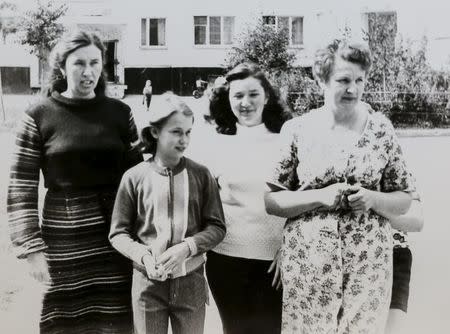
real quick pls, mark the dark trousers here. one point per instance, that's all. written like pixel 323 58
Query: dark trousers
pixel 402 260
pixel 243 292
pixel 148 99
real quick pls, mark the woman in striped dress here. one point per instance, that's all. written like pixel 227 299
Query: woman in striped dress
pixel 81 140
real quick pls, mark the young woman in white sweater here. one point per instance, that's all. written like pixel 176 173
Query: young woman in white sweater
pixel 242 270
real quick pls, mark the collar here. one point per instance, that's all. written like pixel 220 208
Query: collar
pixel 164 170
pixel 75 101
pixel 253 131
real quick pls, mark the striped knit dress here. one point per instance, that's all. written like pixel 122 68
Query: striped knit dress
pixel 82 148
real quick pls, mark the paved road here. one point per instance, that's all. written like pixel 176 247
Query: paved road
pixel 429 310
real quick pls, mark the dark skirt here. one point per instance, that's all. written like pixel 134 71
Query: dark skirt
pixel 90 283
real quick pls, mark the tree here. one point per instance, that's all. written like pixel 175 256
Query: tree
pixel 397 65
pixel 7 23
pixel 41 30
pixel 381 34
pixel 263 45
pixel 269 48
pixel 401 82
pixel 7 26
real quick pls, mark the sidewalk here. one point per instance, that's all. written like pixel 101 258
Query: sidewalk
pixel 423 132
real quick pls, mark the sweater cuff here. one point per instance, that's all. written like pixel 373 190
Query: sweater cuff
pixel 192 246
pixel 32 246
pixel 133 250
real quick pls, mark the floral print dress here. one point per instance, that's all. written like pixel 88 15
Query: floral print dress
pixel 337 265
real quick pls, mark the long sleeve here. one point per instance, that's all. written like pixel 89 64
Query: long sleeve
pixel 22 207
pixel 213 221
pixel 133 153
pixel 123 221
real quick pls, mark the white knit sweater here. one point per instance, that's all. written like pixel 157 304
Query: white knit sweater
pixel 242 163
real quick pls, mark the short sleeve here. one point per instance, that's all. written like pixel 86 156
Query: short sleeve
pixel 396 175
pixel 284 172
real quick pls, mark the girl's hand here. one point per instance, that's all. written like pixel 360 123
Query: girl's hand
pixel 330 197
pixel 153 271
pixel 173 257
pixel 38 267
pixel 275 265
pixel 360 199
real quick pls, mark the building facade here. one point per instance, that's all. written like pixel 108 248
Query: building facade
pixel 173 42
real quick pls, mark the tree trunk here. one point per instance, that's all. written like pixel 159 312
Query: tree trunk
pixel 44 68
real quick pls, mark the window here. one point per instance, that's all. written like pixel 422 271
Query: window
pixel 213 30
pixel 293 25
pixel 153 32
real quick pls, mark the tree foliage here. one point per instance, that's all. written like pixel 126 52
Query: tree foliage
pixel 268 47
pixel 264 45
pixel 7 24
pixel 398 65
pixel 401 82
pixel 380 35
pixel 41 28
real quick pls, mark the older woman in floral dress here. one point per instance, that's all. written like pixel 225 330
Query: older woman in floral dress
pixel 340 176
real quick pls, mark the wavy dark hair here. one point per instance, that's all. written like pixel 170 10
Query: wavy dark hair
pixel 274 113
pixel 356 53
pixel 58 56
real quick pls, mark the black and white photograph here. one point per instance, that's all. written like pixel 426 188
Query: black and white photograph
pixel 224 167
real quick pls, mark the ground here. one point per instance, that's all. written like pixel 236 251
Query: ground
pixel 429 306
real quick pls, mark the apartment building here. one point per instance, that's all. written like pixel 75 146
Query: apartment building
pixel 172 42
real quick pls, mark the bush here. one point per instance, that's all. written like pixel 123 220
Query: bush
pixel 263 45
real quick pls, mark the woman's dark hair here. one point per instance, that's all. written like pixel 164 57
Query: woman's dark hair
pixel 58 56
pixel 355 53
pixel 274 113
pixel 170 105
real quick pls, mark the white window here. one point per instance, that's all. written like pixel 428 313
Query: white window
pixel 213 30
pixel 153 32
pixel 293 25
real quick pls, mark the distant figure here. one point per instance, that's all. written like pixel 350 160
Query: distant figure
pixel 200 84
pixel 200 87
pixel 147 93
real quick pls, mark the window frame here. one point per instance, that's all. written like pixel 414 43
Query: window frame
pixel 290 20
pixel 208 44
pixel 147 33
